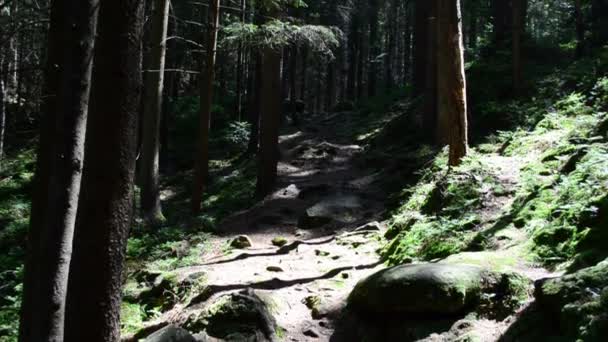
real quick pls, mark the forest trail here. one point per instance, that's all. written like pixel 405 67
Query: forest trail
pixel 328 212
pixel 320 187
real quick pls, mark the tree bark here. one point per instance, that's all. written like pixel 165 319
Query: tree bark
pixel 502 21
pixel 432 122
pixel 153 98
pixel 580 29
pixel 269 121
pixel 71 42
pixel 201 173
pixel 599 22
pixel 451 82
pixel 421 41
pixel 254 102
pixel 106 201
pixel 2 120
pixel 239 67
pixel 374 50
pixel 516 7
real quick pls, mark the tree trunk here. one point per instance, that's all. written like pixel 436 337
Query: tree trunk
pixel 201 173
pixel 502 21
pixel 2 120
pixel 519 8
pixel 106 201
pixel 391 45
pixel 303 85
pixel 353 50
pixel 407 45
pixel 580 29
pixel 153 98
pixel 432 122
pixel 71 41
pixel 599 22
pixel 421 42
pixel 269 121
pixel 239 68
pixel 254 102
pixel 451 82
pixel 473 25
pixel 374 49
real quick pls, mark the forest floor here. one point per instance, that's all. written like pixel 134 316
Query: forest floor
pixel 323 188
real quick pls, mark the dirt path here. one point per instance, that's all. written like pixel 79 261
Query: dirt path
pixel 321 188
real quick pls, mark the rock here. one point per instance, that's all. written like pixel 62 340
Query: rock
pixel 319 252
pixel 279 241
pixel 241 242
pixel 427 289
pixel 241 316
pixel 310 332
pixel 579 300
pixel 337 208
pixel 370 227
pixel 171 333
pixel 274 269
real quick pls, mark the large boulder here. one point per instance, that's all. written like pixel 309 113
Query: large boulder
pixel 171 333
pixel 241 316
pixel 579 300
pixel 421 289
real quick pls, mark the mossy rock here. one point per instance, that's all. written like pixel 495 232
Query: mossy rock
pixel 241 316
pixel 421 289
pixel 171 333
pixel 578 300
pixel 279 241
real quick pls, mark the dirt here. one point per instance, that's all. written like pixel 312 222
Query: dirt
pixel 318 267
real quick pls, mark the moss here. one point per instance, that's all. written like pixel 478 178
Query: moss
pixel 132 318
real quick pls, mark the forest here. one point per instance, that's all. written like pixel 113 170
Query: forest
pixel 303 170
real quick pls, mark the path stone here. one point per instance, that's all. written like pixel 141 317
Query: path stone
pixel 337 208
pixel 241 242
pixel 171 333
pixel 370 227
pixel 274 269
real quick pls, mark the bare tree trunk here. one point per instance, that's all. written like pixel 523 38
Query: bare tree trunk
pixel 580 29
pixel 374 50
pixel 2 119
pixel 254 102
pixel 201 173
pixel 519 8
pixel 451 82
pixel 432 121
pixel 153 98
pixel 421 41
pixel 473 25
pixel 269 121
pixel 106 201
pixel 239 68
pixel 71 42
pixel 353 51
pixel 391 45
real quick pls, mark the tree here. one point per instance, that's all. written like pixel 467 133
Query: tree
pixel 269 120
pixel 59 171
pixel 106 199
pixel 153 98
pixel 580 28
pixel 451 82
pixel 599 22
pixel 519 8
pixel 374 46
pixel 201 172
